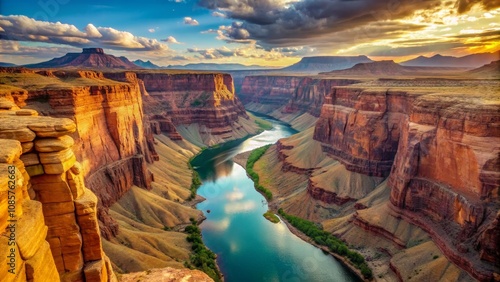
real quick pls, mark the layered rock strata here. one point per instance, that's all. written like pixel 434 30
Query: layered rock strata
pixel 293 99
pixel 111 136
pixel 204 99
pixel 440 153
pixel 56 229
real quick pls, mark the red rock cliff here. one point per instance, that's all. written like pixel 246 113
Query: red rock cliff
pixel 205 99
pixel 441 154
pixel 293 93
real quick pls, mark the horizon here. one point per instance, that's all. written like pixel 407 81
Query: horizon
pixel 265 33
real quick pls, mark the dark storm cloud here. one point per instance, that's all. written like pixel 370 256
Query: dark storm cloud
pixel 276 23
pixel 464 6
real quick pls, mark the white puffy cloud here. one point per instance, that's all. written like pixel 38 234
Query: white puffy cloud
pixel 190 21
pixel 171 39
pixel 22 28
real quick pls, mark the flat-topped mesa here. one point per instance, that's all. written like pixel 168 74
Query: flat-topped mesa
pixel 93 51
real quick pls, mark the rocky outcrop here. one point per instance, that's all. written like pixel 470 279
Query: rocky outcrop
pixel 361 128
pixel 440 154
pixel 205 99
pixel 50 215
pixel 287 98
pixel 111 137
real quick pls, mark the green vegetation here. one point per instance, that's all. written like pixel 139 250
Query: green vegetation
pixel 269 215
pixel 195 178
pixel 201 100
pixel 321 237
pixel 202 258
pixel 195 184
pixel 263 124
pixel 255 156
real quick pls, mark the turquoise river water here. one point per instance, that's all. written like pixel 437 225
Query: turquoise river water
pixel 249 247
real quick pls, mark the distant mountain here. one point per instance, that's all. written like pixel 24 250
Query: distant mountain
pixel 487 71
pixel 469 61
pixel 217 67
pixel 146 65
pixel 373 68
pixel 325 63
pixel 3 64
pixel 89 58
pixel 390 68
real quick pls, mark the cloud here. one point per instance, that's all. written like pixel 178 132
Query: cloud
pixel 22 28
pixel 285 23
pixel 152 30
pixel 218 14
pixel 464 6
pixel 251 51
pixel 190 21
pixel 171 39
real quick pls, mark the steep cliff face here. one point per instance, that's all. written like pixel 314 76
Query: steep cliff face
pixel 361 128
pixel 51 216
pixel 441 155
pixel 294 99
pixel 204 102
pixel 446 175
pixel 110 137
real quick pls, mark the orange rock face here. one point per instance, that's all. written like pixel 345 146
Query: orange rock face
pixel 111 137
pixel 56 229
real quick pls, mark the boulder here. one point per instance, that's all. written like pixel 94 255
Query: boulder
pixel 47 145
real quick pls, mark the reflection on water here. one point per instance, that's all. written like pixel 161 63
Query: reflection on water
pixel 249 247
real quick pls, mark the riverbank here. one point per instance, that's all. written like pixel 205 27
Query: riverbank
pixel 251 158
pixel 345 262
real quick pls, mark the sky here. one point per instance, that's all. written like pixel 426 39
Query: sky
pixel 262 32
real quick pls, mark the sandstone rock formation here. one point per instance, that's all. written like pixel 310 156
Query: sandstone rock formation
pixel 292 99
pixel 56 229
pixel 202 105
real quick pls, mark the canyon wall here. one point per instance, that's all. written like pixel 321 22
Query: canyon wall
pixel 441 154
pixel 112 139
pixel 293 99
pixel 51 217
pixel 115 142
pixel 201 106
pixel 411 165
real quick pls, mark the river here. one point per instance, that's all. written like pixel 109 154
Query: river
pixel 249 247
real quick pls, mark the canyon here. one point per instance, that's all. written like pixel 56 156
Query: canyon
pixel 91 159
pixel 405 170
